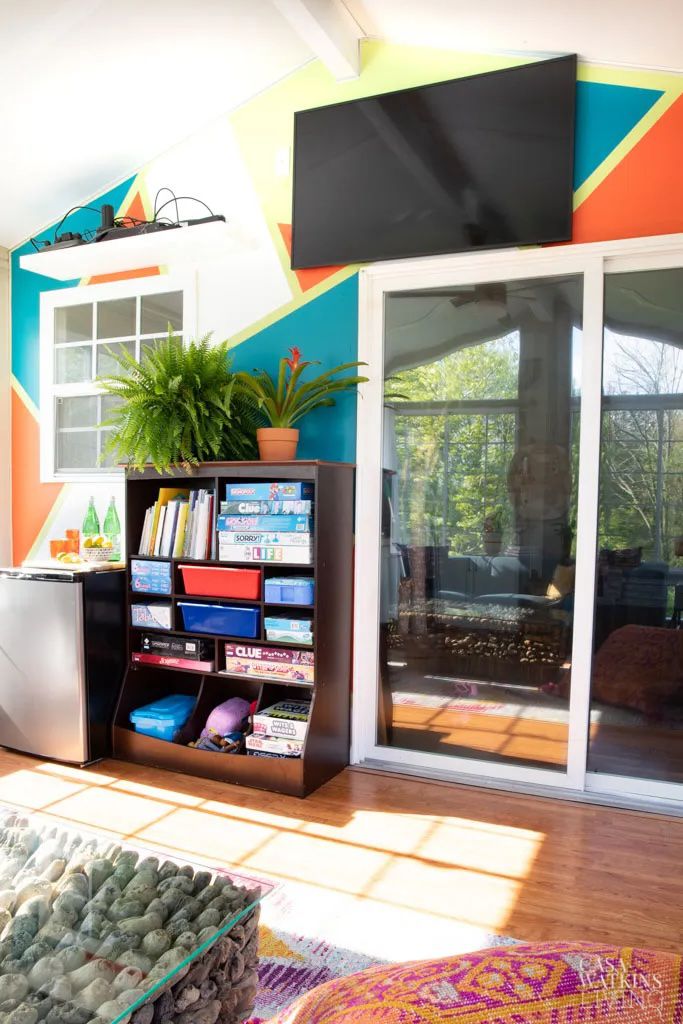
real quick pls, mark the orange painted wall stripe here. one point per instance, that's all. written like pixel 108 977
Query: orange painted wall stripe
pixel 311 276
pixel 32 501
pixel 643 195
pixel 136 208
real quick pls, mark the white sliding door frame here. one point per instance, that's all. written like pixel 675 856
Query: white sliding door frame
pixel 592 261
pixel 5 415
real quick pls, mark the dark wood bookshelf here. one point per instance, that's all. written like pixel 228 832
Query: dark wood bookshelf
pixel 326 747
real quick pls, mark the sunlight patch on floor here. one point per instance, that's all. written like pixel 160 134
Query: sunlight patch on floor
pixel 32 789
pixel 430 867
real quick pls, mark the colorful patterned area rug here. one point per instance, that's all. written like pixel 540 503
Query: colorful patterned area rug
pixel 311 937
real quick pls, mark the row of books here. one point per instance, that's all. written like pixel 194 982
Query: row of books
pixel 179 524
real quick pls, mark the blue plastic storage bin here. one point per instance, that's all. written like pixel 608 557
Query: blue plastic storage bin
pixel 163 718
pixel 290 590
pixel 224 619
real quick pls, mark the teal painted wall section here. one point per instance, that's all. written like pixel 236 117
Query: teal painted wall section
pixel 326 328
pixel 605 114
pixel 26 289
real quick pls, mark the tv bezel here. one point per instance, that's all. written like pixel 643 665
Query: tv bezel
pixel 415 254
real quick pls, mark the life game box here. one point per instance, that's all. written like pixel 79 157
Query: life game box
pixel 270 663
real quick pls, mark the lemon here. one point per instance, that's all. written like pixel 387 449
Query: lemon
pixel 107 544
pixel 88 543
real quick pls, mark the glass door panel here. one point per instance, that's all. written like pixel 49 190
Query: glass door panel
pixel 479 495
pixel 636 711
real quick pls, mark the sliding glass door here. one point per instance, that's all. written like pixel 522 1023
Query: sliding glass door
pixel 637 677
pixel 480 441
pixel 520 519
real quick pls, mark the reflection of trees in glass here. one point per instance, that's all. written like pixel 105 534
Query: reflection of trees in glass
pixel 642 447
pixel 453 461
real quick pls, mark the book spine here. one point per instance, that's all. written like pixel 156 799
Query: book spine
pixel 169 527
pixel 180 530
pixel 144 537
pixel 155 527
pixel 160 530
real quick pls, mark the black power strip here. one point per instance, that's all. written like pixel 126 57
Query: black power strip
pixel 111 227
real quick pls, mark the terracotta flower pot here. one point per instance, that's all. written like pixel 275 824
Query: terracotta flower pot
pixel 277 444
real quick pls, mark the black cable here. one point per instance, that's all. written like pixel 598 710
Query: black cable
pixel 68 214
pixel 165 188
pixel 176 199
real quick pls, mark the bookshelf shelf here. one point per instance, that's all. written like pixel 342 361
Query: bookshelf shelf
pixel 138 666
pixel 327 742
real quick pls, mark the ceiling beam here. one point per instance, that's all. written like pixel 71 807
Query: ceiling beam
pixel 330 31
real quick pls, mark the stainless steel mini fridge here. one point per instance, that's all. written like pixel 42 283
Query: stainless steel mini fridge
pixel 62 645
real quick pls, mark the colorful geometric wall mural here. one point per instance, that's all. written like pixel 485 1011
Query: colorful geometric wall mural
pixel 629 150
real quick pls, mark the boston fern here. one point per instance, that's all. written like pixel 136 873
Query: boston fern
pixel 179 406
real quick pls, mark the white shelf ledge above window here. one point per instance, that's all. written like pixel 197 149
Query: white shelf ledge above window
pixel 177 247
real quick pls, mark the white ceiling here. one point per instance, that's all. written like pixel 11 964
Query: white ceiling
pixel 92 89
pixel 628 32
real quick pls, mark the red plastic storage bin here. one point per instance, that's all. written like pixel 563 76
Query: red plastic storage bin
pixel 215 581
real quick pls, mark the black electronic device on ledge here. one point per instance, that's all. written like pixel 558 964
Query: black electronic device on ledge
pixel 112 227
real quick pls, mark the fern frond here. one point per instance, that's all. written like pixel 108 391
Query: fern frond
pixel 179 405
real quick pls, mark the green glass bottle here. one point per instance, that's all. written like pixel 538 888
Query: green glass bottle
pixel 91 523
pixel 112 531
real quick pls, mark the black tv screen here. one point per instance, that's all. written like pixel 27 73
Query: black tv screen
pixel 473 163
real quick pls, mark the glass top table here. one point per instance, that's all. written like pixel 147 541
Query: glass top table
pixel 96 932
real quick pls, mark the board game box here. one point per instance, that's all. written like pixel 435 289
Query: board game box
pixel 287 718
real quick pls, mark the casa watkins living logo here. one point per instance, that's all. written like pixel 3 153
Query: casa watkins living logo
pixel 621 985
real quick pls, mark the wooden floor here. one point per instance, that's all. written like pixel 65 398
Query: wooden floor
pixel 527 867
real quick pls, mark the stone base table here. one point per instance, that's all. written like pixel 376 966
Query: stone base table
pixel 93 932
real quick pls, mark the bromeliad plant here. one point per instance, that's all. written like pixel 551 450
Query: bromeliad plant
pixel 178 406
pixel 284 402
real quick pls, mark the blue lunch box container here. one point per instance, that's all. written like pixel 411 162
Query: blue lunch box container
pixel 290 590
pixel 163 718
pixel 223 619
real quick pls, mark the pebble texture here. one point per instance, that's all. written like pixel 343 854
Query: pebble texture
pixel 89 930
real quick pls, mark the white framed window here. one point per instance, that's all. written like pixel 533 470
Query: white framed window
pixel 82 330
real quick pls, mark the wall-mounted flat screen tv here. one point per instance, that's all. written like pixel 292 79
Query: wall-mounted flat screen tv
pixel 473 163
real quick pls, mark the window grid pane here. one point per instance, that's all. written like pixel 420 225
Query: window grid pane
pixel 83 334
